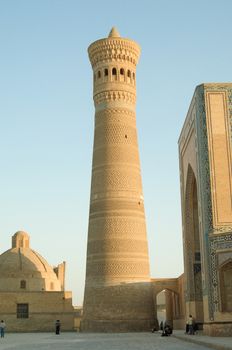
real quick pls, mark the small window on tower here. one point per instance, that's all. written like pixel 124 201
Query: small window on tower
pixel 134 76
pixel 122 71
pixel 129 73
pixel 114 73
pixel 22 311
pixel 99 74
pixel 106 72
pixel 23 284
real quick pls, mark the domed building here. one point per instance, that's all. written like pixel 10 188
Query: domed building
pixel 32 293
pixel 23 268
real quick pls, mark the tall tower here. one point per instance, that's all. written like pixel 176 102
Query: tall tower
pixel 117 289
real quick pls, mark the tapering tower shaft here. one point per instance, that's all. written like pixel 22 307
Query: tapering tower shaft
pixel 117 290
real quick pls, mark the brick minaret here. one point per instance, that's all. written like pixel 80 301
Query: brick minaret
pixel 117 290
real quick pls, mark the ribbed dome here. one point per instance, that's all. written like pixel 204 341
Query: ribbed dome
pixel 20 263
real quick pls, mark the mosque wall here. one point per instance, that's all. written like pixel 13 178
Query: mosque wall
pixel 205 175
pixel 36 311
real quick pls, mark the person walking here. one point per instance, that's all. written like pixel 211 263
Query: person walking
pixel 57 325
pixel 2 328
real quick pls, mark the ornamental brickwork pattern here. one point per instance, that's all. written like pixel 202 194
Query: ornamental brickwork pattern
pixel 117 250
pixel 212 244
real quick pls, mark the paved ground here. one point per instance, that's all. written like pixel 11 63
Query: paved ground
pixel 218 343
pixel 80 341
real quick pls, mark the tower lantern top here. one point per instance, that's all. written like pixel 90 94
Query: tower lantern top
pixel 113 48
pixel 114 33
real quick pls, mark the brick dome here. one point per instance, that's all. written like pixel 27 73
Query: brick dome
pixel 22 268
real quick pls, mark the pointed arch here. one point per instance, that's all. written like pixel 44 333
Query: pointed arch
pixel 225 276
pixel 192 246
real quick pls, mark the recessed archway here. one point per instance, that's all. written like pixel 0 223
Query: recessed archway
pixel 226 286
pixel 167 306
pixel 192 249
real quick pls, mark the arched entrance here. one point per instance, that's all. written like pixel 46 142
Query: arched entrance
pixel 169 303
pixel 168 306
pixel 161 307
pixel 192 250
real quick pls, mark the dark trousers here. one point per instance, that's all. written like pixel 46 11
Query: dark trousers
pixel 191 330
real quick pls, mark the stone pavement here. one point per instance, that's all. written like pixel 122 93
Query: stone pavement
pixel 85 341
pixel 218 343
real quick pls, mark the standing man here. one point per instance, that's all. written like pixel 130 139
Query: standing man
pixel 2 328
pixel 57 325
pixel 190 325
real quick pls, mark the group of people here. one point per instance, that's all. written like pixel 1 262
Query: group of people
pixel 191 327
pixel 165 328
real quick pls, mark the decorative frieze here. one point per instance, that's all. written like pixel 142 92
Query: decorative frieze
pixel 114 96
pixel 110 50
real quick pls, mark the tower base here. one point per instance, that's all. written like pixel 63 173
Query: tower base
pixel 119 308
pixel 116 326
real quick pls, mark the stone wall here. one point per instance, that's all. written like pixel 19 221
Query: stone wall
pixel 126 307
pixel 44 309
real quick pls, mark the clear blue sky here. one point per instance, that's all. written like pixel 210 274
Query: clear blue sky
pixel 46 115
